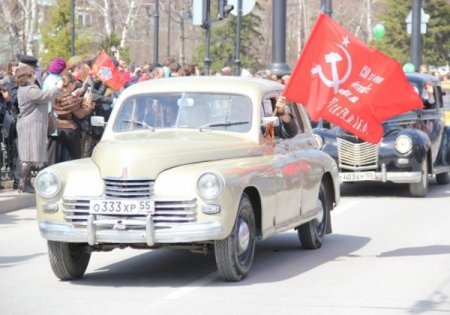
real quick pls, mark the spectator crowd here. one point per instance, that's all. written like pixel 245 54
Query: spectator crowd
pixel 45 113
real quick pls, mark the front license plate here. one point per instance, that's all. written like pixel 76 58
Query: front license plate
pixel 356 177
pixel 122 206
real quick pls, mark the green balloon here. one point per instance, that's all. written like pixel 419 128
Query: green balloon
pixel 409 67
pixel 378 31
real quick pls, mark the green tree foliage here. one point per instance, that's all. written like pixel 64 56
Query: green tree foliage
pixel 56 35
pixel 396 41
pixel 223 42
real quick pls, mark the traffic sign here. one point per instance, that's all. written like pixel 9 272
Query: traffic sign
pixel 247 6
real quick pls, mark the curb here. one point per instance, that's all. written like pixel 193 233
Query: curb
pixel 11 200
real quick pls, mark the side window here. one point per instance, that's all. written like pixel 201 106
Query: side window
pixel 438 96
pixel 293 109
pixel 284 130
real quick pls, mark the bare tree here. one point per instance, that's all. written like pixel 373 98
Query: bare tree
pixel 131 17
pixel 13 28
pixel 29 7
pixel 105 11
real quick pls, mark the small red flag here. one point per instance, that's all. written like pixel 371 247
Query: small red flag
pixel 107 72
pixel 348 83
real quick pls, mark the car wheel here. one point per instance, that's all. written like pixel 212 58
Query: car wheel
pixel 312 233
pixel 443 178
pixel 68 260
pixel 420 189
pixel 234 255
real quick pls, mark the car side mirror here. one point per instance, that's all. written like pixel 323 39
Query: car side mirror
pixel 98 121
pixel 274 120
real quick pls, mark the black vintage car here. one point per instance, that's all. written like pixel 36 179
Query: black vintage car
pixel 415 146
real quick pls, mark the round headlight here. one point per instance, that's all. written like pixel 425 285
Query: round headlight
pixel 210 185
pixel 48 184
pixel 403 144
pixel 319 141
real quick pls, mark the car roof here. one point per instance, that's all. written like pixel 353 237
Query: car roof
pixel 417 77
pixel 215 84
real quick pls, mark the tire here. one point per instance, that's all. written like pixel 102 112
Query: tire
pixel 312 233
pixel 68 260
pixel 234 255
pixel 443 178
pixel 420 189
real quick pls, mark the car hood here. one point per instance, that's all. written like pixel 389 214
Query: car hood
pixel 147 154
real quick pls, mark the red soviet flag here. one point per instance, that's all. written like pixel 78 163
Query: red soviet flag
pixel 348 83
pixel 107 72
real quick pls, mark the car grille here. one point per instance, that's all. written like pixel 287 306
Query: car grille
pixel 130 188
pixel 167 212
pixel 357 156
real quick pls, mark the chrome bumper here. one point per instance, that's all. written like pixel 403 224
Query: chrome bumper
pixel 401 177
pixel 181 233
pixel 395 177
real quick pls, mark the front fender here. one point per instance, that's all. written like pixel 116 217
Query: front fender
pixel 181 182
pixel 421 144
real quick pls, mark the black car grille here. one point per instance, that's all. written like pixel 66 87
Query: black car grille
pixel 168 212
pixel 357 156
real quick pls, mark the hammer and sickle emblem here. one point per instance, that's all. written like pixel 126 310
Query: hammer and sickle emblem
pixel 333 58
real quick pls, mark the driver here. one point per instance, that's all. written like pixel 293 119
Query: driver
pixel 288 127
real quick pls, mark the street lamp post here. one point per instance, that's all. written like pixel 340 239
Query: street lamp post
pixel 185 14
pixel 416 40
pixel 168 29
pixel 237 61
pixel 156 34
pixel 325 6
pixel 207 26
pixel 72 28
pixel 279 65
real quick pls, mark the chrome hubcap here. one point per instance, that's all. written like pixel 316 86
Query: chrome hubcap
pixel 243 237
pixel 320 215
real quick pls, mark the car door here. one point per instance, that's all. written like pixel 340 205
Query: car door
pixel 308 163
pixel 287 179
pixel 432 122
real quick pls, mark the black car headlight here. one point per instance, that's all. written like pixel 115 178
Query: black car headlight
pixel 403 144
pixel 48 184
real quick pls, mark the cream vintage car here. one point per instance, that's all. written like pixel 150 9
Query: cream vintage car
pixel 184 163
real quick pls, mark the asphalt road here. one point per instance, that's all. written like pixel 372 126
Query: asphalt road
pixel 389 254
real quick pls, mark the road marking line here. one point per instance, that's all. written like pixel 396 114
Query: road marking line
pixel 179 293
pixel 346 206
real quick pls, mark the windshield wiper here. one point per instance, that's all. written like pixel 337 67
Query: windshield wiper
pixel 224 124
pixel 140 123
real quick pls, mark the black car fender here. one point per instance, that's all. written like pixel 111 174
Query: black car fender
pixel 421 143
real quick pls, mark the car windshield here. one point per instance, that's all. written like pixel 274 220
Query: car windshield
pixel 200 111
